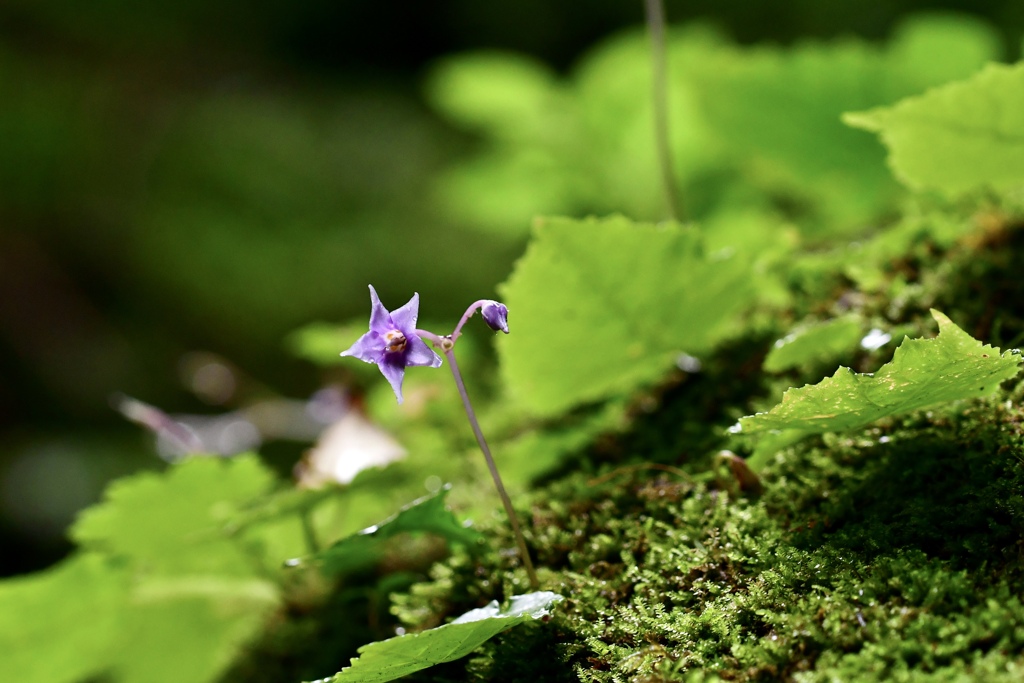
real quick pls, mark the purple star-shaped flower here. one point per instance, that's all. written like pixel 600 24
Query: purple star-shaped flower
pixel 392 342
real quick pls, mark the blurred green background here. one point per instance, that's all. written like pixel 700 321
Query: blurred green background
pixel 189 177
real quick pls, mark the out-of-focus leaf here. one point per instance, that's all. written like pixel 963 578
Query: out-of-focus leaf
pixel 280 505
pixel 821 341
pixel 601 307
pixel 923 372
pixel 61 625
pixel 507 95
pixel 197 592
pixel 536 452
pixel 780 108
pixel 959 137
pixel 390 659
pixel 938 47
pixel 765 119
pixel 188 629
pixel 580 145
pixel 322 343
pixel 362 550
pixel 173 522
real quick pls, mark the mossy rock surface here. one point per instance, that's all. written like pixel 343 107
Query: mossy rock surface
pixel 893 553
pixel 889 553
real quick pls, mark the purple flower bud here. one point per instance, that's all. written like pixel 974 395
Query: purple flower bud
pixel 495 314
pixel 392 342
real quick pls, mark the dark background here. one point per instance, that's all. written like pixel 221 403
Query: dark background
pixel 210 176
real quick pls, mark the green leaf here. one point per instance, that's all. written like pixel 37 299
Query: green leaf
pixel 189 629
pixel 536 452
pixel 817 342
pixel 935 48
pixel 396 657
pixel 923 372
pixel 173 521
pixel 196 593
pixel 958 137
pixel 322 343
pixel 363 549
pixel 60 625
pixel 163 594
pixel 505 94
pixel 283 504
pixel 601 307
pixel 780 108
pixel 573 146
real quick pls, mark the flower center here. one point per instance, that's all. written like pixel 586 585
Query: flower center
pixel 394 341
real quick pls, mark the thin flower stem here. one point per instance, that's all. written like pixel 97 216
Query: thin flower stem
pixel 520 541
pixel 437 340
pixel 656 27
pixel 473 308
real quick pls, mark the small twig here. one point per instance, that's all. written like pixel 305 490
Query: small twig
pixel 659 61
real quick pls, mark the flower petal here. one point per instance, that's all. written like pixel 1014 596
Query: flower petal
pixel 404 318
pixel 495 314
pixel 369 348
pixel 418 353
pixel 394 373
pixel 380 319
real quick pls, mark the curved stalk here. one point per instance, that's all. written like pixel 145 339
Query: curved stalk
pixel 659 62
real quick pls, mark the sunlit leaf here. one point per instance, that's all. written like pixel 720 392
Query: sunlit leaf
pixel 536 452
pixel 780 107
pixel 322 343
pixel 923 372
pixel 821 341
pixel 601 307
pixel 506 94
pixel 196 592
pixel 282 504
pixel 397 657
pixel 575 146
pixel 173 521
pixel 959 137
pixel 61 625
pixel 362 550
pixel 188 629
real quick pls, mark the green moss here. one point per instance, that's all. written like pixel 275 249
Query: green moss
pixel 890 553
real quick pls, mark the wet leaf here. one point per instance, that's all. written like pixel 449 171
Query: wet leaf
pixel 363 549
pixel 923 372
pixel 397 657
pixel 816 342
